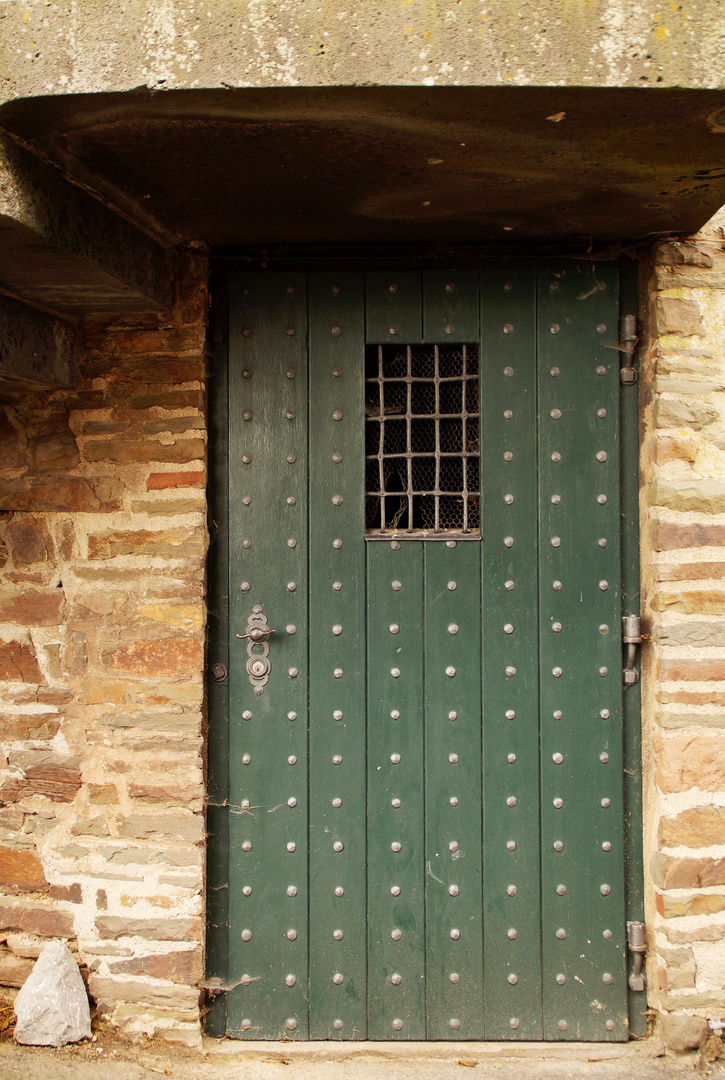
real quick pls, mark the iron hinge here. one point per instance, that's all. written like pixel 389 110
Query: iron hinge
pixel 637 945
pixel 631 637
pixel 628 340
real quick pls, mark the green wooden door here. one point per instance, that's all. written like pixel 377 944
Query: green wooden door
pixel 425 833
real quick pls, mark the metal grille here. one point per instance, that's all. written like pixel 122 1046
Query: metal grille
pixel 422 440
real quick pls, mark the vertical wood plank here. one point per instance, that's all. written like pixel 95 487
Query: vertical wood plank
pixel 393 307
pixel 454 958
pixel 338 945
pixel 268 732
pixel 450 306
pixel 511 889
pixel 584 950
pixel 396 849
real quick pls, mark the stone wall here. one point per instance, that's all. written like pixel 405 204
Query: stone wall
pixel 683 555
pixel 102 546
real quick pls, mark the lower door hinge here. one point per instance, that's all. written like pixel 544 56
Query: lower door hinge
pixel 628 339
pixel 631 637
pixel 637 944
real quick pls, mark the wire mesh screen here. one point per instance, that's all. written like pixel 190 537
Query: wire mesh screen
pixel 422 440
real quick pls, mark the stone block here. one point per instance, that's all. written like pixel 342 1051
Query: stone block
pixel 14 970
pixel 18 663
pixel 159 481
pixel 157 657
pixel 177 967
pixel 64 494
pixel 706 496
pixel 36 726
pixel 72 894
pixel 177 543
pixel 191 796
pixel 692 601
pixel 698 827
pixel 175 425
pixel 680 1032
pixel 21 871
pixel 702 904
pixel 678 977
pixel 179 827
pixel 29 541
pixel 675 721
pixel 141 369
pixel 144 451
pixel 33 607
pixel 102 794
pixel 106 427
pixel 691 761
pixel 53 775
pixel 109 992
pixel 13 441
pixel 113 927
pixel 671 413
pixel 689 571
pixel 52 1007
pixel 692 632
pixel 153 856
pixel 35 919
pixel 192 504
pixel 675 316
pixel 669 536
pixel 670 872
pixel 96 826
pixel 182 616
pixel 54 451
pixel 681 254
pixel 169 399
pixel 684 669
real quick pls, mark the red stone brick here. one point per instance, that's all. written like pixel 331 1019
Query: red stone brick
pixel 178 967
pixel 169 656
pixel 48 922
pixel 57 778
pixel 18 663
pixel 33 608
pixel 72 894
pixel 158 481
pixel 21 870
pixel 690 697
pixel 684 670
pixel 64 494
pixel 670 536
pixel 29 541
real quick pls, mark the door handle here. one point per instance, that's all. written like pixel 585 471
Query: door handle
pixel 257 636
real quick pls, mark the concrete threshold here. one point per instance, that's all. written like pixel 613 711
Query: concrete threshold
pixel 641 1050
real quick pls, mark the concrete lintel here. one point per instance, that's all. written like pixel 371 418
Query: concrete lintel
pixel 63 249
pixel 36 349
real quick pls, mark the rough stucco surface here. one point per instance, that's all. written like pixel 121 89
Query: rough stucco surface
pixel 683 565
pixel 69 47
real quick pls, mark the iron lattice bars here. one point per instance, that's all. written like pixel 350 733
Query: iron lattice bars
pixel 422 441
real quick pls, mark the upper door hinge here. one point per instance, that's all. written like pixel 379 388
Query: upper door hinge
pixel 628 340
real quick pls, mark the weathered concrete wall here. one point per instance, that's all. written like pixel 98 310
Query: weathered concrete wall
pixel 66 47
pixel 102 545
pixel 683 554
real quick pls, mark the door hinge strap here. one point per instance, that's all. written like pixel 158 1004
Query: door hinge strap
pixel 637 944
pixel 628 339
pixel 631 637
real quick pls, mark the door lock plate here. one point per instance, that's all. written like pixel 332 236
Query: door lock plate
pixel 257 636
